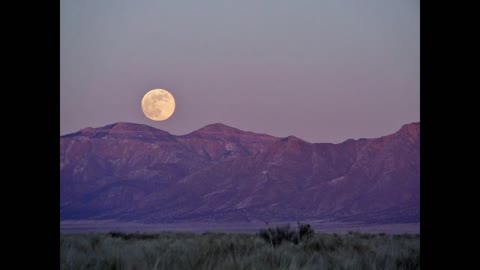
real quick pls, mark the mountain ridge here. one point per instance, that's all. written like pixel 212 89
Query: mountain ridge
pixel 222 173
pixel 212 128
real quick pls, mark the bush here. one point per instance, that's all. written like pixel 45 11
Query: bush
pixel 305 231
pixel 276 236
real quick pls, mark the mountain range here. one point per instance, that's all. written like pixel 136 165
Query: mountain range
pixel 134 172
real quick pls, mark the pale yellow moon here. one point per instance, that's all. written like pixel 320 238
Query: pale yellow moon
pixel 158 104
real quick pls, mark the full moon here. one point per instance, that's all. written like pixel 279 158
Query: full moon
pixel 158 104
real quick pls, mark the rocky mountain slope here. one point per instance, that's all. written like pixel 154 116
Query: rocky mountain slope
pixel 134 172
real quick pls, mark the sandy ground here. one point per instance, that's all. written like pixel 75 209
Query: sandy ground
pixel 84 226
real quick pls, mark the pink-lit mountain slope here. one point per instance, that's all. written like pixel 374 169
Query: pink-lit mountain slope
pixel 134 172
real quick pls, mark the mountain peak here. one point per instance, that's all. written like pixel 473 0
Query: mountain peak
pixel 413 125
pixel 126 126
pixel 412 129
pixel 217 128
pixel 120 129
pixel 292 138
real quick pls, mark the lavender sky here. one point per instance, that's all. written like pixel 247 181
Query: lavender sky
pixel 322 70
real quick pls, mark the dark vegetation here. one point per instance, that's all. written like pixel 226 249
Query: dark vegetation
pixel 274 248
pixel 275 236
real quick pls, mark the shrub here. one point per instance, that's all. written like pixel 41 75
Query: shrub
pixel 305 231
pixel 277 235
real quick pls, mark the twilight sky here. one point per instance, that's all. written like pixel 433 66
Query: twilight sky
pixel 322 70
